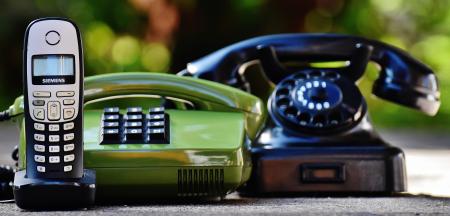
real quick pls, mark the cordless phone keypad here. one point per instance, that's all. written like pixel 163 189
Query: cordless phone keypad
pixel 54 146
pixel 135 126
pixel 53 141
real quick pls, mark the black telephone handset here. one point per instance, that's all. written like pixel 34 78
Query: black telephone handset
pixel 402 79
pixel 319 137
pixel 53 108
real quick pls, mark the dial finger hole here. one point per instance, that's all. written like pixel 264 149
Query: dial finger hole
pixel 283 102
pixel 304 118
pixel 335 118
pixel 300 76
pixel 290 112
pixel 289 83
pixel 315 73
pixel 319 121
pixel 283 92
pixel 332 75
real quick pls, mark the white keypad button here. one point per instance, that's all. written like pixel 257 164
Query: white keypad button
pixel 39 114
pixel 53 138
pixel 68 113
pixel 39 158
pixel 39 137
pixel 68 126
pixel 53 148
pixel 53 127
pixel 69 136
pixel 69 147
pixel 40 94
pixel 39 126
pixel 53 110
pixel 69 158
pixel 68 102
pixel 39 148
pixel 40 168
pixel 65 94
pixel 53 159
pixel 68 168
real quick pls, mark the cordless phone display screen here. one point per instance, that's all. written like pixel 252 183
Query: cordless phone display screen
pixel 53 69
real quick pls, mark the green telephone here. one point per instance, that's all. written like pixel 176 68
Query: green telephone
pixel 198 149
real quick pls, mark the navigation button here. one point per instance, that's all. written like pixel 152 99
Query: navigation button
pixel 53 110
pixel 39 114
pixel 68 113
pixel 68 102
pixel 41 94
pixel 65 94
pixel 38 102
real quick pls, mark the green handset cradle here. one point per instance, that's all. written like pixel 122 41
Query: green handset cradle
pixel 198 148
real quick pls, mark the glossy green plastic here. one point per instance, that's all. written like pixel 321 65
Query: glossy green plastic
pixel 208 152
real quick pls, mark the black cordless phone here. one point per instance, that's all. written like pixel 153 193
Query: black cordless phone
pixel 53 109
pixel 53 93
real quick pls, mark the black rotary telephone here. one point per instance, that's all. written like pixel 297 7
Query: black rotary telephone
pixel 319 137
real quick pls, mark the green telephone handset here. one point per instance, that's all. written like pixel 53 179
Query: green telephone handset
pixel 171 152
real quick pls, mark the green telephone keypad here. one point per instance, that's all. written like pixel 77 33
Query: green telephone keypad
pixel 134 126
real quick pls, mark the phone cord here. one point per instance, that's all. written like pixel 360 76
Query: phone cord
pixel 4 115
pixel 6 171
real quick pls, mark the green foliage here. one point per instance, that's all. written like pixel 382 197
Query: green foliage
pixel 115 34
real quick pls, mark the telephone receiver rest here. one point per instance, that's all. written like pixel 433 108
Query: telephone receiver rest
pixel 402 79
pixel 205 95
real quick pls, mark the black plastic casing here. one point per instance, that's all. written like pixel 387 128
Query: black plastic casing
pixel 363 164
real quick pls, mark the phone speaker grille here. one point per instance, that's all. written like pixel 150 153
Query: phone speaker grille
pixel 201 182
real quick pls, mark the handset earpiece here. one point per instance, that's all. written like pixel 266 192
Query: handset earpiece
pixel 406 81
pixel 402 79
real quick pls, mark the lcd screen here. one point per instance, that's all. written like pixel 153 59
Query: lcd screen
pixel 53 65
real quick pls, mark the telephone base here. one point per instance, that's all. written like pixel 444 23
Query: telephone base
pixel 331 170
pixel 40 194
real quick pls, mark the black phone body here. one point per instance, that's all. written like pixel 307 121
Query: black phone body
pixel 319 138
pixel 356 161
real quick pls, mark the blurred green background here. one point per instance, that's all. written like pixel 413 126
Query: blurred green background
pixel 164 35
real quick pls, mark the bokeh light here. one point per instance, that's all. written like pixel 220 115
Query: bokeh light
pixel 164 35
